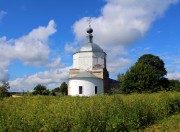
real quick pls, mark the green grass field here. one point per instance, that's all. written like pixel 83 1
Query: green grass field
pixel 99 113
pixel 169 124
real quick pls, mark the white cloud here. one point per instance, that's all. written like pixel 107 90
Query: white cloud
pixel 121 23
pixel 31 49
pixel 172 61
pixel 4 76
pixel 117 65
pixel 5 51
pixel 71 48
pixel 116 59
pixel 55 63
pixel 174 75
pixel 51 79
pixel 2 14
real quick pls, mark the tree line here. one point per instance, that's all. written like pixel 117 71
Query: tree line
pixel 42 90
pixel 38 90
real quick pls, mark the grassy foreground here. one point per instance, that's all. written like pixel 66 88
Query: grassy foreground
pixel 170 124
pixel 99 113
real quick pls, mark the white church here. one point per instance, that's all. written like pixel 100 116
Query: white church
pixel 89 75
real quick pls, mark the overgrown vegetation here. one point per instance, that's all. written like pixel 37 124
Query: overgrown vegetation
pixel 170 124
pixel 98 113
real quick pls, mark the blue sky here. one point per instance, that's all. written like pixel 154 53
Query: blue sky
pixel 38 38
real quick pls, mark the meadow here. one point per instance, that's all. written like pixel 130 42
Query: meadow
pixel 170 124
pixel 99 113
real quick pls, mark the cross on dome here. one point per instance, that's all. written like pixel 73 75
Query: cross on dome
pixel 89 21
pixel 89 30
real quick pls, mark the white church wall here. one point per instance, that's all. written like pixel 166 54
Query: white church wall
pixel 76 61
pixel 99 60
pixel 89 60
pixel 82 60
pixel 88 86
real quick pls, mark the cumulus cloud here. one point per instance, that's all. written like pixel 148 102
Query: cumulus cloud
pixel 2 14
pixel 71 47
pixel 4 76
pixel 55 63
pixel 123 21
pixel 4 59
pixel 31 49
pixel 117 59
pixel 174 75
pixel 51 79
pixel 114 66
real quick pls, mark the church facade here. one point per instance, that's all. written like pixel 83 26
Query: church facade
pixel 89 75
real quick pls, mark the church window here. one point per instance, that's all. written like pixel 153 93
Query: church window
pixel 80 89
pixel 95 89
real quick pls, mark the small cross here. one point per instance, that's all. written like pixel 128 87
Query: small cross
pixel 89 21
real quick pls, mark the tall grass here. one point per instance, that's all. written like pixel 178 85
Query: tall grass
pixel 99 113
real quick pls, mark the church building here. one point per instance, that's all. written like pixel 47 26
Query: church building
pixel 89 75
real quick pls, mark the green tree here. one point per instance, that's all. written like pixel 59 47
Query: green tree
pixel 4 87
pixel 146 75
pixel 53 91
pixel 41 90
pixel 64 88
pixel 120 77
pixel 155 62
pixel 56 89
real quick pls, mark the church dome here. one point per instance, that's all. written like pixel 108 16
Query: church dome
pixel 92 47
